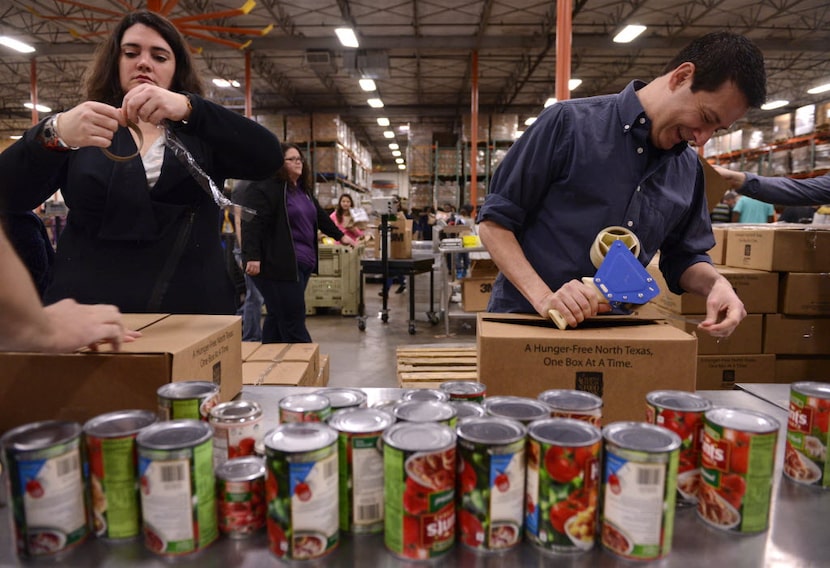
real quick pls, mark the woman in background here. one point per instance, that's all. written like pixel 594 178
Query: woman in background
pixel 342 217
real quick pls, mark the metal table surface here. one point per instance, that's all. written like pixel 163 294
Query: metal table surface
pixel 797 535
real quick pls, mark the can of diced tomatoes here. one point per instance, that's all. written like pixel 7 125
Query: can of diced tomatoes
pixel 682 413
pixel 467 409
pixel 178 487
pixel 472 391
pixel 237 427
pixel 301 490
pixel 490 487
pixel 805 458
pixel 240 496
pixel 44 467
pixel 425 395
pixel 343 397
pixel 304 408
pixel 737 466
pixel 562 484
pixel 359 432
pixel 111 453
pixel 425 411
pixel 639 489
pixel 520 408
pixel 187 400
pixel 572 403
pixel 419 484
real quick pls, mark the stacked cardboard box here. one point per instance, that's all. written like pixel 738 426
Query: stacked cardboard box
pixel 285 364
pixel 476 289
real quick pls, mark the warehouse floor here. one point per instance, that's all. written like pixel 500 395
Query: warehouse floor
pixel 367 358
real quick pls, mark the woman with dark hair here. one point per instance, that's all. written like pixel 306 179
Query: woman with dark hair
pixel 141 232
pixel 279 245
pixel 342 217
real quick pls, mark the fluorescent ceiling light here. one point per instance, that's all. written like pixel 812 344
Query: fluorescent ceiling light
pixel 629 33
pixel 383 121
pixel 394 146
pixel 40 108
pixel 530 120
pixel 401 166
pixel 774 104
pixel 574 83
pixel 550 101
pixel 375 103
pixel 399 160
pixel 519 133
pixel 403 128
pixel 388 134
pixel 396 153
pixel 819 89
pixel 225 84
pixel 16 137
pixel 347 37
pixel 16 45
pixel 368 85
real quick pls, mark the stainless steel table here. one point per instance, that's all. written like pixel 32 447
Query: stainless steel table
pixel 797 534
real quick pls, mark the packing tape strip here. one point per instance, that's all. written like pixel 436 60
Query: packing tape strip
pixel 134 127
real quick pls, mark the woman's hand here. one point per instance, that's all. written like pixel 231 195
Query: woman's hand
pixel 89 124
pixel 347 240
pixel 149 103
pixel 252 267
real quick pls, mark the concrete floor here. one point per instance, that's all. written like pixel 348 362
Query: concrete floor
pixel 367 358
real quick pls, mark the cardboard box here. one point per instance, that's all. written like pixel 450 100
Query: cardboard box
pixel 789 369
pixel 325 372
pixel 795 335
pixel 248 347
pixel 714 183
pixel 721 372
pixel 80 386
pixel 804 294
pixel 483 267
pixel 620 359
pixel 748 337
pixel 781 248
pixel 718 252
pixel 400 238
pixel 475 293
pixel 306 353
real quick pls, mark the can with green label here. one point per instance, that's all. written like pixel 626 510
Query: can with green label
pixel 186 400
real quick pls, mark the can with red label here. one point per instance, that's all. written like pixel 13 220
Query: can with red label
pixel 425 394
pixel 304 408
pixel 737 466
pixel 805 458
pixel 682 413
pixel 471 391
pixel 572 403
pixel 343 397
pixel 187 400
pixel 237 427
pixel 240 496
pixel 562 484
pixel 419 484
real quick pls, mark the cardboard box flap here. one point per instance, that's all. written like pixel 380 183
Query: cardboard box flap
pixel 597 323
pixel 269 352
pixel 177 333
pixel 140 321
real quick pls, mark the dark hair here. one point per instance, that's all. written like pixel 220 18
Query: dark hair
pixel 339 210
pixel 103 83
pixel 723 56
pixel 305 182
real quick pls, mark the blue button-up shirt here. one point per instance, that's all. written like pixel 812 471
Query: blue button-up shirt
pixel 587 164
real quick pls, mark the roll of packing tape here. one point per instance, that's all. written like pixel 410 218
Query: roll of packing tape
pixel 606 238
pixel 134 127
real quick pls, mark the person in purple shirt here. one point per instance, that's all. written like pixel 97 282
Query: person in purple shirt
pixel 279 245
pixel 620 160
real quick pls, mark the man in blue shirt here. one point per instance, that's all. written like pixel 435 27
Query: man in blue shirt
pixel 749 210
pixel 620 160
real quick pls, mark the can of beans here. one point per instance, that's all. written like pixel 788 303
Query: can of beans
pixel 682 413
pixel 359 432
pixel 178 487
pixel 490 487
pixel 343 398
pixel 43 463
pixel 237 427
pixel 304 408
pixel 419 484
pixel 472 391
pixel 562 484
pixel 572 403
pixel 301 490
pixel 426 395
pixel 467 409
pixel 639 485
pixel 187 400
pixel 111 453
pixel 737 467
pixel 525 410
pixel 425 411
pixel 805 458
pixel 240 496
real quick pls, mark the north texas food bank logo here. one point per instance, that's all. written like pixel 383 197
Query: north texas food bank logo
pixel 800 419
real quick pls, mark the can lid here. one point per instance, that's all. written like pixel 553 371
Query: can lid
pixel 305 402
pixel 742 419
pixel 467 409
pixel 300 437
pixel 516 407
pixel 678 400
pixel 245 468
pixel 424 411
pixel 387 406
pixel 570 399
pixel 641 436
pixel 39 435
pixel 491 430
pixel 119 423
pixel 343 397
pixel 235 411
pixel 419 436
pixel 812 388
pixel 360 420
pixel 187 389
pixel 425 394
pixel 174 434
pixel 463 387
pixel 567 432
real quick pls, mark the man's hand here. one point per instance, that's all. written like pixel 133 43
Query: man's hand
pixel 72 326
pixel 724 310
pixel 252 267
pixel 575 301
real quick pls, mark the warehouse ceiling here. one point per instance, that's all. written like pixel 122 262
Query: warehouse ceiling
pixel 420 53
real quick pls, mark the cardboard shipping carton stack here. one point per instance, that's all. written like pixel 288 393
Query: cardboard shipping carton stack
pixel 475 289
pixel 285 364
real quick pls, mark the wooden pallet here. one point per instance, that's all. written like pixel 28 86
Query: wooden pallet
pixel 428 366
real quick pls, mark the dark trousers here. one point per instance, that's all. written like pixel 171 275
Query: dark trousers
pixel 285 304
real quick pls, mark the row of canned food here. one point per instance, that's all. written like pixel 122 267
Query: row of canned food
pixel 421 481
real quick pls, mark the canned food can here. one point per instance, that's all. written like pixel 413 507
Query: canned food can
pixel 240 495
pixel 639 485
pixel 572 403
pixel 343 397
pixel 178 487
pixel 426 411
pixel 425 395
pixel 472 391
pixel 520 408
pixel 111 453
pixel 187 400
pixel 805 457
pixel 387 406
pixel 43 464
pixel 737 467
pixel 304 408
pixel 562 484
pixel 301 490
pixel 419 484
pixel 237 427
pixel 359 432
pixel 682 413
pixel 467 409
pixel 490 488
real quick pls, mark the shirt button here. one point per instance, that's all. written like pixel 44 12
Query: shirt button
pixel 640 150
pixel 642 120
pixel 638 188
pixel 630 223
pixel 627 126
